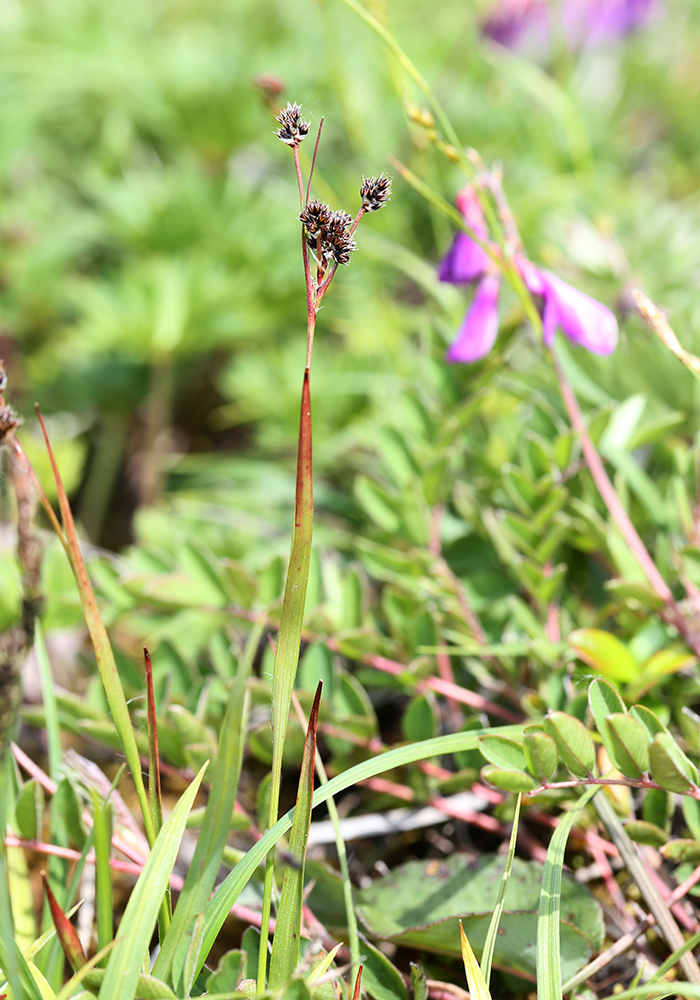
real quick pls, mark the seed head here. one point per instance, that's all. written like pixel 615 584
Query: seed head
pixel 9 422
pixel 375 192
pixel 332 230
pixel 294 129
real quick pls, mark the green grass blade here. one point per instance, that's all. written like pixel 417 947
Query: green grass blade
pixel 53 729
pixel 289 636
pixel 218 907
pixel 139 919
pixel 155 798
pixel 101 644
pixel 215 828
pixel 490 942
pixel 285 946
pixel 102 827
pixel 549 915
pixel 478 988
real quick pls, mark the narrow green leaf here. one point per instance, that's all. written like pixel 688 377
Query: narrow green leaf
pixel 185 965
pixel 508 780
pixel 138 921
pixel 628 738
pixel 549 914
pixel 669 766
pixel 285 945
pixel 605 653
pixel 155 797
pixel 541 755
pixel 102 827
pixel 101 644
pixel 475 980
pixel 503 752
pixel 658 807
pixel 206 860
pixel 490 942
pixel 48 693
pixel 575 743
pixel 419 982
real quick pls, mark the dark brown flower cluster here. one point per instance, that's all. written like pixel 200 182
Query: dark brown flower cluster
pixel 328 232
pixel 375 192
pixel 294 129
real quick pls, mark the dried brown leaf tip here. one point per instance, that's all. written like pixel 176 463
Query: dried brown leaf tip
pixel 293 127
pixel 375 192
pixel 328 232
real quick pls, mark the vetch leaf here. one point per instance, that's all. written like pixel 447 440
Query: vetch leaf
pixel 682 850
pixel 642 832
pixel 628 739
pixel 651 722
pixel 503 752
pixel 605 653
pixel 508 781
pixel 29 809
pixel 575 743
pixel 603 700
pixel 669 766
pixel 541 755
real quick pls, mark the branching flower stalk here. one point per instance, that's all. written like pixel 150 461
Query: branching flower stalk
pixel 327 241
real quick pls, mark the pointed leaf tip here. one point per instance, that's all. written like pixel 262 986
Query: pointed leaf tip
pixel 67 935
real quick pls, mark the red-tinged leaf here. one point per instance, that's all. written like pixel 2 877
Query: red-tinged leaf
pixel 100 641
pixel 358 984
pixel 285 945
pixel 67 935
pixel 154 792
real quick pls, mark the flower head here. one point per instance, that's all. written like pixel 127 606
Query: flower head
pixel 584 320
pixel 375 192
pixel 329 228
pixel 294 129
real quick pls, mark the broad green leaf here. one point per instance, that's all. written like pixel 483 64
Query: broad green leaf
pixel 29 809
pixel 682 850
pixel 285 945
pixel 605 653
pixel 627 742
pixel 380 978
pixel 669 766
pixel 541 755
pixel 691 814
pixel 575 743
pixel 508 780
pixel 642 832
pixel 228 973
pixel 658 806
pixel 138 921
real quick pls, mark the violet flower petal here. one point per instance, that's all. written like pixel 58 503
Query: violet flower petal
pixel 465 261
pixel 584 320
pixel 478 332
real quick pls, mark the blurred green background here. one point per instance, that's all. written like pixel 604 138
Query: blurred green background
pixel 151 291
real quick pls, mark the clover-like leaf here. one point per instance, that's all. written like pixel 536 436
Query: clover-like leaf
pixel 574 742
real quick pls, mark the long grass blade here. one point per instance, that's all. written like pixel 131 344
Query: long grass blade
pixel 102 829
pixel 492 933
pixel 549 915
pixel 285 946
pixel 101 644
pixel 215 828
pixel 138 921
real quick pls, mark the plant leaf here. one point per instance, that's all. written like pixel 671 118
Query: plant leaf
pixel 669 766
pixel 605 653
pixel 575 743
pixel 629 741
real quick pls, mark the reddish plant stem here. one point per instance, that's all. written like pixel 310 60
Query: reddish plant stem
pixel 618 513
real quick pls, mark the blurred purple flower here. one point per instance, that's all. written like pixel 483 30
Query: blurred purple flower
pixel 465 260
pixel 582 319
pixel 519 23
pixel 478 332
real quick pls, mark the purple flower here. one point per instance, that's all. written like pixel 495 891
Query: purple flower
pixel 582 319
pixel 466 261
pixel 530 23
pixel 478 332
